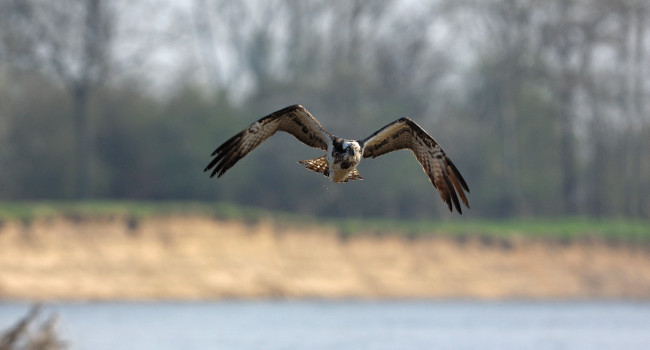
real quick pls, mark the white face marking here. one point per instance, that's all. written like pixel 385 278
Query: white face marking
pixel 353 144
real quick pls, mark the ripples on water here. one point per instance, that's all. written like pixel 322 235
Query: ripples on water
pixel 244 325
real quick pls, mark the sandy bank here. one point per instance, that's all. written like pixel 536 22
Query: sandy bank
pixel 203 258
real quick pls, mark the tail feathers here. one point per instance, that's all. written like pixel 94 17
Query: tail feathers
pixel 319 165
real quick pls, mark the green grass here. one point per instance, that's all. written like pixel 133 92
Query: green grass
pixel 555 228
pixel 27 211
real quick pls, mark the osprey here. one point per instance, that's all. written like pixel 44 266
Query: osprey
pixel 342 157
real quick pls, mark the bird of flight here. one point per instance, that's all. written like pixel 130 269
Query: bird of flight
pixel 342 157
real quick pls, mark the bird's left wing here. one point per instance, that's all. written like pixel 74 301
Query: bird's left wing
pixel 404 133
pixel 295 120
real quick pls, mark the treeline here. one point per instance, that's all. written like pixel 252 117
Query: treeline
pixel 541 105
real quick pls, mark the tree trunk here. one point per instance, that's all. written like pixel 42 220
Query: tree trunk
pixel 598 168
pixel 510 152
pixel 564 96
pixel 567 156
pixel 640 100
pixel 83 141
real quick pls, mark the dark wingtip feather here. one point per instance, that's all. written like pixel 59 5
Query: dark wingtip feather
pixel 210 165
pixel 458 175
pixel 222 160
pixel 228 145
pixel 451 195
pixel 214 172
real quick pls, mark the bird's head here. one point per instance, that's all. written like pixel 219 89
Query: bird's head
pixel 351 152
pixel 351 148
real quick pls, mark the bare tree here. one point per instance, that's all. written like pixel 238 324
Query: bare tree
pixel 637 106
pixel 505 46
pixel 559 44
pixel 71 40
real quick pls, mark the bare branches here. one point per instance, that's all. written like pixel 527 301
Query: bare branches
pixel 22 337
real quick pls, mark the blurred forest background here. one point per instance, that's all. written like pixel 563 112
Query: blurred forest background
pixel 542 105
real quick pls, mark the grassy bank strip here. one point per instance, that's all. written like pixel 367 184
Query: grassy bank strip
pixel 27 211
pixel 555 228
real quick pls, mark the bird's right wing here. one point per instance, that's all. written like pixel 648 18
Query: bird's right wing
pixel 295 120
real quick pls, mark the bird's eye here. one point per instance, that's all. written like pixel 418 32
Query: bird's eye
pixel 350 151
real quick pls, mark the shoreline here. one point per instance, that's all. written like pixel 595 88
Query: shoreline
pixel 198 258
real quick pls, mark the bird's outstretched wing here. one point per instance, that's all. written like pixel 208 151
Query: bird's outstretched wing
pixel 295 120
pixel 405 133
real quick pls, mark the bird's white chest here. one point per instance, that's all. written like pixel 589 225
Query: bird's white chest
pixel 338 174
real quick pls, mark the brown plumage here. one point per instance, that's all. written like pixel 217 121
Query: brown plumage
pixel 295 120
pixel 342 157
pixel 404 133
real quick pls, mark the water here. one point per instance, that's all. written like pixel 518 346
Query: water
pixel 244 325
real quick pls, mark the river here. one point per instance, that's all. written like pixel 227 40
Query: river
pixel 349 324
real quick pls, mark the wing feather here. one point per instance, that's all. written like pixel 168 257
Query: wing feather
pixel 295 120
pixel 404 133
